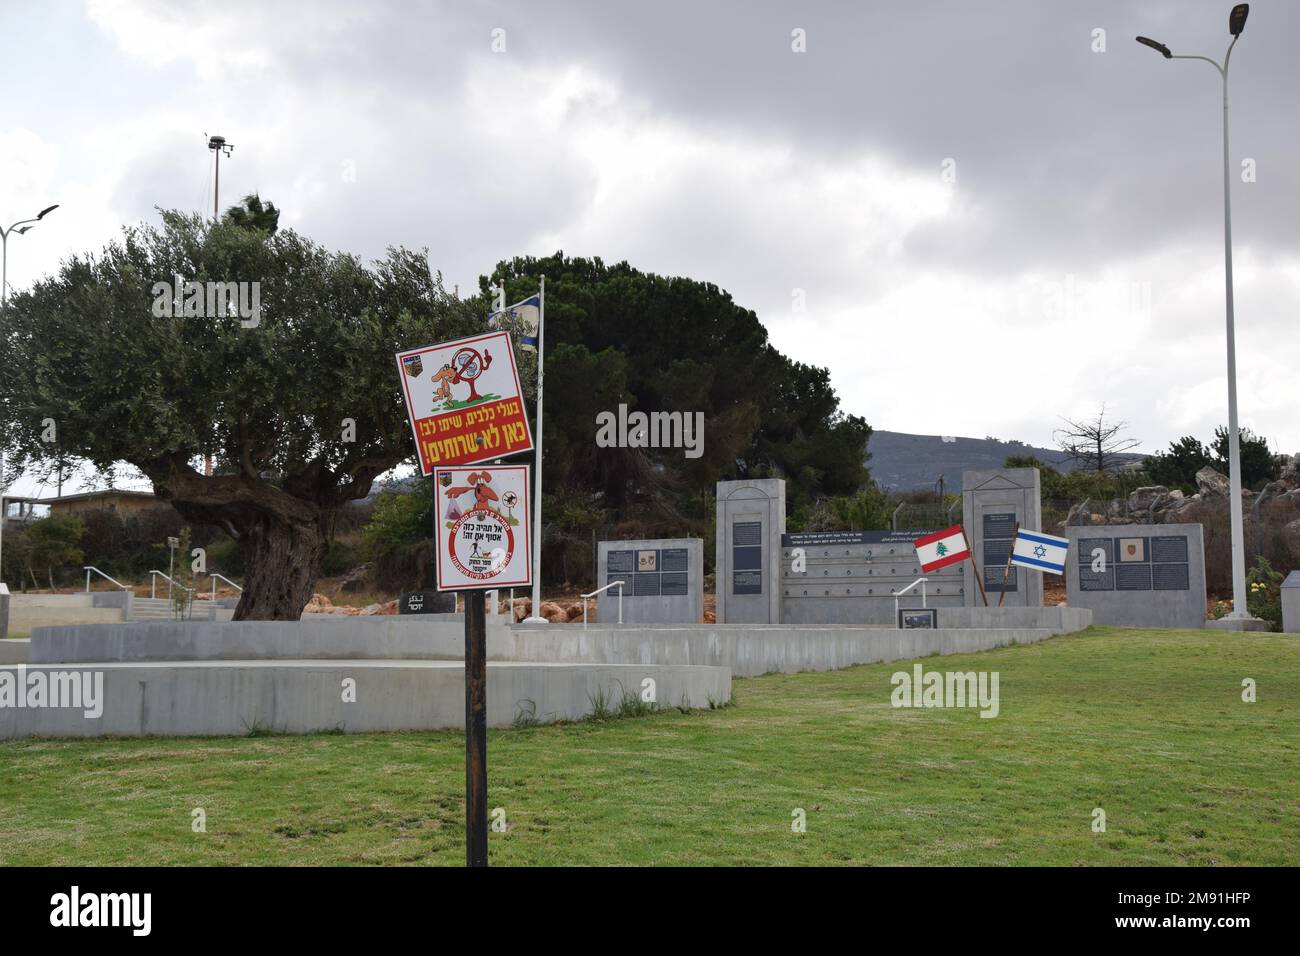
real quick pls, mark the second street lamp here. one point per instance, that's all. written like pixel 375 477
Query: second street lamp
pixel 1240 611
pixel 26 224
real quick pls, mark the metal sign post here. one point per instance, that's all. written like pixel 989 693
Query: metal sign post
pixel 476 812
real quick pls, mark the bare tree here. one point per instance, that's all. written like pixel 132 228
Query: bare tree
pixel 1095 444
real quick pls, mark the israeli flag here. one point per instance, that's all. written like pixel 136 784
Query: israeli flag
pixel 1045 552
pixel 522 318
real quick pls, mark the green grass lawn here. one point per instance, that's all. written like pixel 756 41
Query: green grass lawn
pixel 1148 725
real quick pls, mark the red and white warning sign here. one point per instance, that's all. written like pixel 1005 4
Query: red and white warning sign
pixel 481 527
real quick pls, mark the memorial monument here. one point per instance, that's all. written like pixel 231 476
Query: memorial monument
pixel 851 577
pixel 994 501
pixel 663 581
pixel 1138 575
pixel 750 522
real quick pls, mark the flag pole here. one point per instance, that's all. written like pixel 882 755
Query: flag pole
pixel 979 577
pixel 1006 572
pixel 536 616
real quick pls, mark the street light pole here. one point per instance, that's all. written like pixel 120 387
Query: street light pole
pixel 4 248
pixel 1236 23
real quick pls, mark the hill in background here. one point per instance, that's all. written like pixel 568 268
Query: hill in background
pixel 903 462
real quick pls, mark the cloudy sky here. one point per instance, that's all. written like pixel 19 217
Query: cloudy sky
pixel 980 216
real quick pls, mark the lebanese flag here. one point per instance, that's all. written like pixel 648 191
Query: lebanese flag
pixel 942 548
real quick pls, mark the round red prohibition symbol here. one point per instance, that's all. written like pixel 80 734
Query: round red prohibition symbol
pixel 481 544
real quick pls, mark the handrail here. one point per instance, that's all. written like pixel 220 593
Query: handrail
pixel 611 584
pixel 899 594
pixel 153 583
pixel 88 568
pixel 214 575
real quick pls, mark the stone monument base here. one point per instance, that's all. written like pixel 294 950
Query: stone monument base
pixel 1238 624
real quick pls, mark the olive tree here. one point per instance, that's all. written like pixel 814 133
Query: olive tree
pixel 117 358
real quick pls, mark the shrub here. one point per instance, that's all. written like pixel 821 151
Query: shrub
pixel 1264 593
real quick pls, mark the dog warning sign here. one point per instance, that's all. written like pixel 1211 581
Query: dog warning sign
pixel 464 401
pixel 481 527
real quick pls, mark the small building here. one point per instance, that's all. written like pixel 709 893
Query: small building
pixel 112 499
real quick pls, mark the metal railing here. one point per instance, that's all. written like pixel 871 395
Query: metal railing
pixel 88 568
pixel 153 583
pixel 611 584
pixel 214 575
pixel 899 594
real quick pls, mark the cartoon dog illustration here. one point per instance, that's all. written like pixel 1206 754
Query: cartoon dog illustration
pixel 443 378
pixel 478 483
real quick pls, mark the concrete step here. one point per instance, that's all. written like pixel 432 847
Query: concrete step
pixel 161 609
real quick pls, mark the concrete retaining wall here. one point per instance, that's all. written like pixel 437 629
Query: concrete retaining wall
pixel 23 619
pixel 389 637
pixel 1059 620
pixel 76 599
pixel 15 651
pixel 223 698
pixel 750 650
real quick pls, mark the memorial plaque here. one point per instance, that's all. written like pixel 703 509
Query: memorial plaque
pixel 1169 549
pixel 645 584
pixel 620 561
pixel 999 525
pixel 625 577
pixel 918 618
pixel 747 557
pixel 674 559
pixel 1132 577
pixel 1096 581
pixel 1088 548
pixel 1131 549
pixel 647 560
pixel 993 578
pixel 672 583
pixel 427 602
pixel 999 533
pixel 1169 577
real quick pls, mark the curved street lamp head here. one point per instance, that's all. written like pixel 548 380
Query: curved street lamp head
pixel 1237 18
pixel 47 209
pixel 1158 46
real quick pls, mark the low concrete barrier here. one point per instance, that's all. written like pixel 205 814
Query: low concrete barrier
pixel 1058 620
pixel 390 637
pixel 751 649
pixel 15 651
pixel 224 698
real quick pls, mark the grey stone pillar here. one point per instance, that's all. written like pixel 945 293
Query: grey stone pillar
pixel 751 520
pixel 993 500
pixel 1291 603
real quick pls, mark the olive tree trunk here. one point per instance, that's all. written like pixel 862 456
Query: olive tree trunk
pixel 281 561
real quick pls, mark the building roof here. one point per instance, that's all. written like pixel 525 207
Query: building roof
pixel 87 495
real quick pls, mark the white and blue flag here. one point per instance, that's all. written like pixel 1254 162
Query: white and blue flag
pixel 1045 552
pixel 522 318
